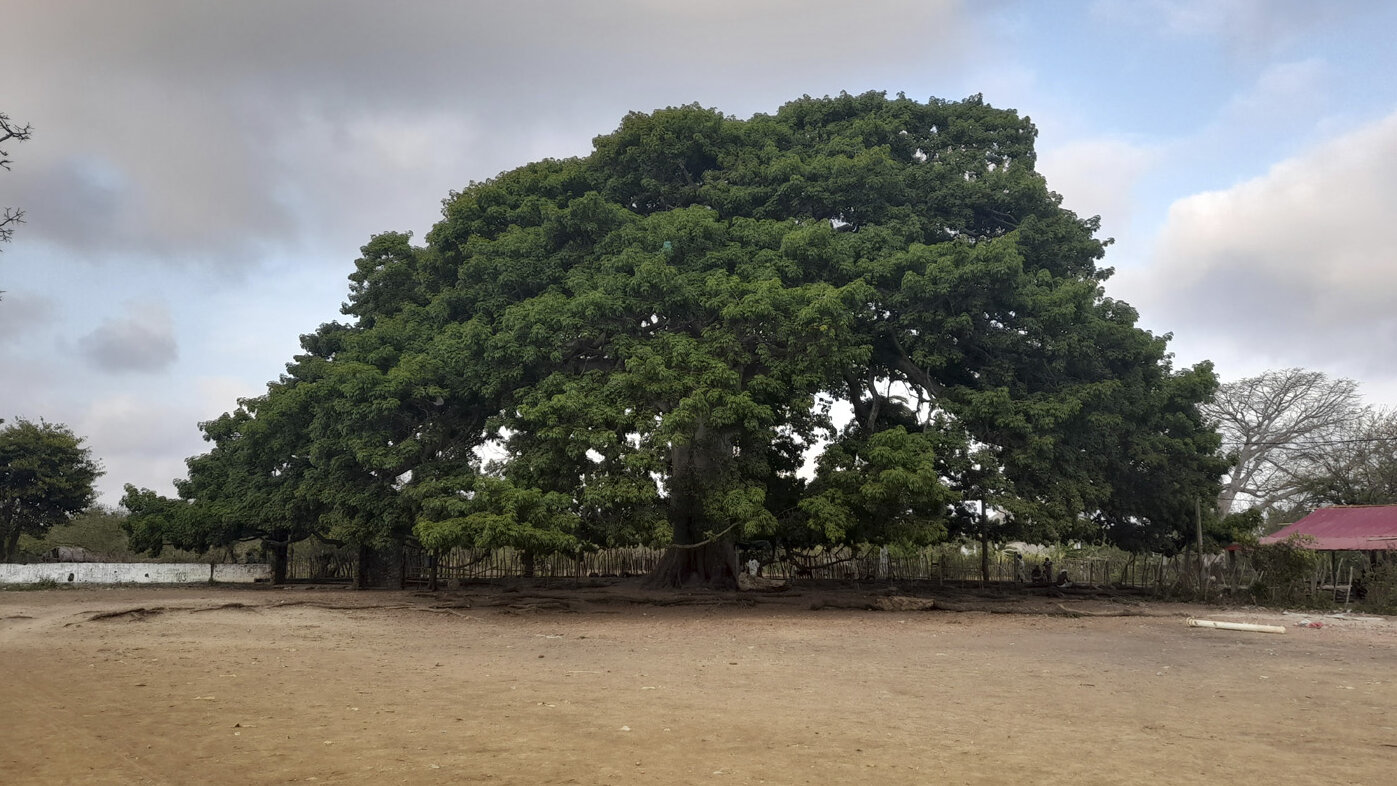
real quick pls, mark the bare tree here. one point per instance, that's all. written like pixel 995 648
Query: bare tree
pixel 1274 426
pixel 1358 466
pixel 10 132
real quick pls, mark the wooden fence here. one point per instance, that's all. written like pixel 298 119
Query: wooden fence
pixel 946 564
pixel 949 563
pixel 472 564
pixel 963 566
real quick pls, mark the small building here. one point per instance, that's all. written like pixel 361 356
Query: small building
pixel 1344 528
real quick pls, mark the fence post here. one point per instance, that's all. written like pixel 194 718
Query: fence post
pixel 1202 571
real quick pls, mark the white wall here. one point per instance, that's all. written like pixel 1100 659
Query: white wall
pixel 133 573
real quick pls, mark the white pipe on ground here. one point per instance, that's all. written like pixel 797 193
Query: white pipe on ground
pixel 1247 626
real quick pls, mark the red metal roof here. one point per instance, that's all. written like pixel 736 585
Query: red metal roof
pixel 1345 528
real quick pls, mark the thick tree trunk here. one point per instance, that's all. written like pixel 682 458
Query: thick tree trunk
pixel 11 545
pixel 9 531
pixel 365 564
pixel 712 565
pixel 984 553
pixel 278 550
pixel 700 556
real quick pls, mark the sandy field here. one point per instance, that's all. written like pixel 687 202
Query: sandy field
pixel 610 685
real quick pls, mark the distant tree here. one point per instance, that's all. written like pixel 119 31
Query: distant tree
pixel 1274 427
pixel 46 477
pixel 9 216
pixel 1357 465
pixel 10 131
pixel 244 489
pixel 97 532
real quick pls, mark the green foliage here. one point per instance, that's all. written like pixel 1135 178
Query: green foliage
pixel 41 585
pixel 1380 587
pixel 1285 572
pixel 153 520
pixel 46 477
pixel 494 513
pixel 646 343
pixel 97 530
pixel 885 488
pixel 1241 529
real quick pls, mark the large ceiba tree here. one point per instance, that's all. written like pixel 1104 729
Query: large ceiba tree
pixel 650 344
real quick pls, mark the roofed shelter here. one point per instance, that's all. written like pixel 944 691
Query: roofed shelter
pixel 1344 528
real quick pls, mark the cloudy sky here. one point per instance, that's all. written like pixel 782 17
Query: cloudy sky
pixel 202 174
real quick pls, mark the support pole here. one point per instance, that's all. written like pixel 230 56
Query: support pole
pixel 1202 572
pixel 1334 571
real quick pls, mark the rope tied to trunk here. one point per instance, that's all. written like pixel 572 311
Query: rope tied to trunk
pixel 708 542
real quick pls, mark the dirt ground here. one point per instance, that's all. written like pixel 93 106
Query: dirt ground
pixel 609 685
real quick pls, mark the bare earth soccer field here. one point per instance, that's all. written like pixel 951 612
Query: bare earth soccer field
pixel 587 686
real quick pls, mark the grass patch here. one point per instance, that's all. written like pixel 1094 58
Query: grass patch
pixel 41 584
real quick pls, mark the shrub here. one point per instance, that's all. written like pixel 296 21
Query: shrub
pixel 1285 572
pixel 1380 588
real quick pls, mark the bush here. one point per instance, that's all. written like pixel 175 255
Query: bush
pixel 41 584
pixel 1380 588
pixel 96 530
pixel 1285 572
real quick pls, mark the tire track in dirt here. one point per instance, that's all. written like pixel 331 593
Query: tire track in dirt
pixel 66 735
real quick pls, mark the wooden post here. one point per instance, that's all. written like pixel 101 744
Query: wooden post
pixel 1202 572
pixel 984 554
pixel 1334 570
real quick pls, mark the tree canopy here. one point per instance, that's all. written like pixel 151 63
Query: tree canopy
pixel 857 320
pixel 1278 429
pixel 1357 465
pixel 46 477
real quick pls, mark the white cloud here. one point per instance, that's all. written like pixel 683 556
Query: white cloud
pixel 136 442
pixel 1292 93
pixel 401 165
pixel 127 424
pixel 1250 28
pixel 1295 267
pixel 218 395
pixel 1097 177
pixel 220 133
pixel 22 314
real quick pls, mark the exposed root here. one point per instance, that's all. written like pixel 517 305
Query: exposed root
pixel 134 614
pixel 1115 613
pixel 534 608
pixel 445 610
pixel 237 606
pixel 345 607
pixel 904 603
pixel 891 603
pixel 710 564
